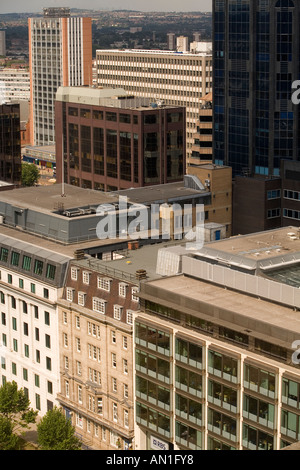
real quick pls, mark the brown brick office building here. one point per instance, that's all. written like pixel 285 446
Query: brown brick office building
pixel 113 141
pixel 10 143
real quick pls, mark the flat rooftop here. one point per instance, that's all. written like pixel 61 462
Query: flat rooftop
pixel 130 261
pixel 56 247
pixel 242 311
pixel 161 193
pixel 153 52
pixel 257 246
pixel 46 199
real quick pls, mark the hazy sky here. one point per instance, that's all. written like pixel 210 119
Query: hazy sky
pixel 19 6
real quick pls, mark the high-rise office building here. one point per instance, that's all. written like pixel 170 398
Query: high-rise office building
pixel 180 79
pixel 10 146
pixel 256 59
pixel 182 44
pixel 60 49
pixel 171 41
pixel 15 84
pixel 220 372
pixel 2 43
pixel 116 141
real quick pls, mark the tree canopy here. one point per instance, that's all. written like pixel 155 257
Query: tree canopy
pixel 30 174
pixel 55 432
pixel 15 413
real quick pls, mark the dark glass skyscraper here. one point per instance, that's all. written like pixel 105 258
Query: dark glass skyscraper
pixel 256 60
pixel 10 143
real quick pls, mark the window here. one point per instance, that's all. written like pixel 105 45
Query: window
pixel 70 294
pixel 21 283
pixel 25 329
pixel 117 312
pixel 13 302
pixel 65 340
pixel 73 111
pixel 125 118
pixel 114 384
pixel 115 412
pixel 49 387
pixel 125 391
pixel 104 283
pixel 113 337
pixel 259 411
pixel 272 213
pixel 259 380
pixel 15 257
pixel 46 293
pixel 125 342
pixel 32 288
pixel 47 341
pixel 126 418
pixel 48 363
pixel 67 389
pixel 37 380
pixel 129 317
pixel 81 298
pixel 3 318
pixel 14 323
pixel 79 390
pixel 114 360
pixel 78 344
pixel 86 277
pixel 222 366
pixel 99 305
pixel 134 296
pixel 274 194
pixel 85 113
pixel 110 116
pixel 291 214
pixel 288 194
pixel 291 392
pixel 47 318
pixel 36 312
pixel 4 255
pixel 26 350
pixel 77 322
pixel 26 263
pixel 9 279
pixel 74 274
pixel 125 366
pixel 37 401
pixel 79 420
pixel 38 267
pixel 100 406
pixel 122 289
pixel 14 368
pixel 50 272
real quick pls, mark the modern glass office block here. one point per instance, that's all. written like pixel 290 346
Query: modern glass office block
pixel 256 60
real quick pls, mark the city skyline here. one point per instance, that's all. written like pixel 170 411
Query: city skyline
pixel 16 6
